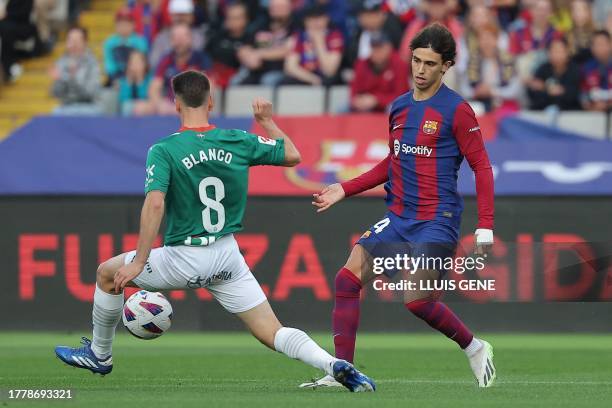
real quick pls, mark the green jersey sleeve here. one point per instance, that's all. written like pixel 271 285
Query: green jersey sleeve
pixel 158 170
pixel 266 151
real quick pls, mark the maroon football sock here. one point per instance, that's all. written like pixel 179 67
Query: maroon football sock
pixel 346 314
pixel 441 318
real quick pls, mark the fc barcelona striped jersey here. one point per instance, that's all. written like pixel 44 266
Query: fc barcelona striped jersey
pixel 428 140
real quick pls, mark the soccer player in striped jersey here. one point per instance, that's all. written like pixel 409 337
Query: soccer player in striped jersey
pixel 431 130
pixel 198 177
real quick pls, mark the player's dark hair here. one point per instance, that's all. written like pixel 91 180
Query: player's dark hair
pixel 192 87
pixel 438 38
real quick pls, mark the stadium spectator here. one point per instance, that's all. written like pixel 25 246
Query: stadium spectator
pixel 181 58
pixel 532 36
pixel 262 61
pixel 404 10
pixel 17 34
pixel 534 31
pixel 556 83
pixel 337 11
pixel 490 76
pixel 220 9
pixel 117 47
pixel 434 11
pixel 478 16
pixel 380 78
pixel 506 11
pixel 224 45
pixel 148 18
pixel 181 12
pixel 597 74
pixel 76 77
pixel 134 85
pixel 561 18
pixel 579 37
pixel 372 18
pixel 316 57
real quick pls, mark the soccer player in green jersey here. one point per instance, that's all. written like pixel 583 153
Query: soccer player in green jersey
pixel 198 176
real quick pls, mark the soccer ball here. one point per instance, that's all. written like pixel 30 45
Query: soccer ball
pixel 147 315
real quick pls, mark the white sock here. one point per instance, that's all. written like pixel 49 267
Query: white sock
pixel 296 344
pixel 105 316
pixel 473 347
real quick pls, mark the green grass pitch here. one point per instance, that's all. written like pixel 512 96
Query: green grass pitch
pixel 183 370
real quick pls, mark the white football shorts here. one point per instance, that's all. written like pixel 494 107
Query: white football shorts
pixel 220 268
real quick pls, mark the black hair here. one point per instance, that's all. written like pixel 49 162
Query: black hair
pixel 315 10
pixel 239 3
pixel 562 40
pixel 603 33
pixel 192 87
pixel 438 38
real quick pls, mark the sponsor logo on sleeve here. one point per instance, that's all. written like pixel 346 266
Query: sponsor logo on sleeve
pixel 265 140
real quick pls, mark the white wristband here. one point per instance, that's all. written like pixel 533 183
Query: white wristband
pixel 483 236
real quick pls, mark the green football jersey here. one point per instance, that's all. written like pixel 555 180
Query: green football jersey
pixel 205 175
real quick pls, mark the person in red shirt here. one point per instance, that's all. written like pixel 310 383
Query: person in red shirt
pixel 379 79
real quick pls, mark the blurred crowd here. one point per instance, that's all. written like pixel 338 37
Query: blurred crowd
pixel 512 54
pixel 28 28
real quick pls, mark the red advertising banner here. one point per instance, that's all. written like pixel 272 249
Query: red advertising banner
pixel 334 149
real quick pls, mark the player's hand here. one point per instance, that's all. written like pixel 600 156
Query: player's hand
pixel 262 109
pixel 127 273
pixel 484 241
pixel 329 196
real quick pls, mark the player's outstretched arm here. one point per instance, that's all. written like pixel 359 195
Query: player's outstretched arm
pixel 329 196
pixel 150 220
pixel 374 177
pixel 262 110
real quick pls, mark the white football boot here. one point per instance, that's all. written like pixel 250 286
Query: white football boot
pixel 327 381
pixel 482 365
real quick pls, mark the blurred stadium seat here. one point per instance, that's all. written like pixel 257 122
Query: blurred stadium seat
pixel 592 124
pixel 238 99
pixel 339 99
pixel 300 100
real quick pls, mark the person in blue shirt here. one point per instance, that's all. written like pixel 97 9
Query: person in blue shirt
pixel 134 85
pixel 117 48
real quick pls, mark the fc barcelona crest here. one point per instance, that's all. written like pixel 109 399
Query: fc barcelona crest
pixel 430 127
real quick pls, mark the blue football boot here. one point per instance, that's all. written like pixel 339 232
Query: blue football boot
pixel 351 378
pixel 84 357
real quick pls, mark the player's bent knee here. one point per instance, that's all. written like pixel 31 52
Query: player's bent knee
pixel 105 275
pixel 102 274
